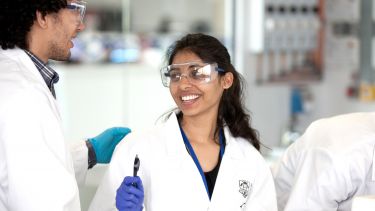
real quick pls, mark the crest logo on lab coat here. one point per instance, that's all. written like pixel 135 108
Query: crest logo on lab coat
pixel 245 187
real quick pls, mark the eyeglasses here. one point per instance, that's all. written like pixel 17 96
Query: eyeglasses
pixel 197 73
pixel 79 7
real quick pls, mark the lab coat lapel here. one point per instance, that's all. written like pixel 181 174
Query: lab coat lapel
pixel 174 143
pixel 30 66
pixel 183 163
pixel 58 147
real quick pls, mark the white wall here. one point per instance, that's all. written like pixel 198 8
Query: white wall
pixel 94 97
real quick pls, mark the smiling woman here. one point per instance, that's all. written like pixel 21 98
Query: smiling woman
pixel 205 155
pixel 194 96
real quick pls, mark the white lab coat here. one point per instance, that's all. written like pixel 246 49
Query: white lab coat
pixel 329 165
pixel 172 181
pixel 36 168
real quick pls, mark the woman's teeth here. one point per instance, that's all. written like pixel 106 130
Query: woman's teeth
pixel 189 97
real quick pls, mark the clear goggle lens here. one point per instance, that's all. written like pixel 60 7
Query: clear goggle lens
pixel 79 7
pixel 195 72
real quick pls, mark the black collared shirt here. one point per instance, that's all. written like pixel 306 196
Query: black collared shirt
pixel 49 75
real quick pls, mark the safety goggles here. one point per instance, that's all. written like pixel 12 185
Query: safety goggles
pixel 78 7
pixel 195 72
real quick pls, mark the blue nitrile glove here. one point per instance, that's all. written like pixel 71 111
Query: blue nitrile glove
pixel 105 143
pixel 130 194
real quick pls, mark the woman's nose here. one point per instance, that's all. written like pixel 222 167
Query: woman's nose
pixel 185 77
pixel 184 81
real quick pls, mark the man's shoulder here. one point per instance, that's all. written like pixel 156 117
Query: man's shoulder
pixel 16 69
pixel 350 121
pixel 12 61
pixel 12 78
pixel 11 54
pixel 15 79
pixel 339 134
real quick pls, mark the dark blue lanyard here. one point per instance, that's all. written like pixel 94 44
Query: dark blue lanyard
pixel 196 161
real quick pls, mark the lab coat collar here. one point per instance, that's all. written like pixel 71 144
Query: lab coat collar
pixel 232 145
pixel 175 144
pixel 20 56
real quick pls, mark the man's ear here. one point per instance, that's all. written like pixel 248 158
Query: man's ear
pixel 41 20
pixel 227 80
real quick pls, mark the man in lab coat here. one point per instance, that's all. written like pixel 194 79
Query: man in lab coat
pixel 36 167
pixel 329 165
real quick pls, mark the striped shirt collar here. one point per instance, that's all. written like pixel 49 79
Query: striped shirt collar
pixel 49 75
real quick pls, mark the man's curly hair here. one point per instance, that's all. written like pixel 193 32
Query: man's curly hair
pixel 17 17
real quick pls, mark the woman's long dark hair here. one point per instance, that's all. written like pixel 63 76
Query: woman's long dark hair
pixel 17 17
pixel 231 109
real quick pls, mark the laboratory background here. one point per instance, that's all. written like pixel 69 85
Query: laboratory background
pixel 301 59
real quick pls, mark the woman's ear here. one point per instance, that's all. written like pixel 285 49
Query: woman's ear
pixel 227 80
